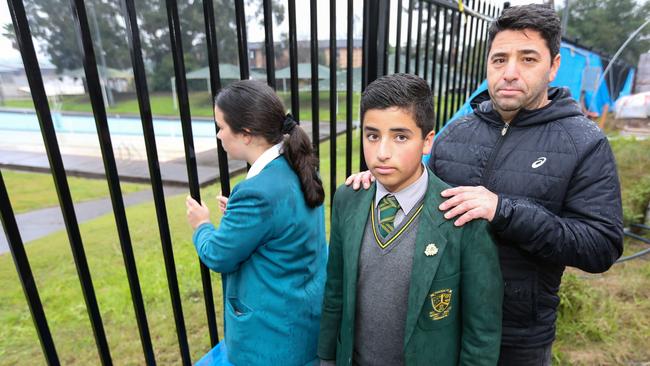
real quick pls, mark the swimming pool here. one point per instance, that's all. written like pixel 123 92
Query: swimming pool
pixel 85 124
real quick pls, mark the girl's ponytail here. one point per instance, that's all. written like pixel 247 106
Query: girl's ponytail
pixel 254 108
pixel 299 153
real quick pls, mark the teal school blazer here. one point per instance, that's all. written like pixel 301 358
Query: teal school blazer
pixel 271 247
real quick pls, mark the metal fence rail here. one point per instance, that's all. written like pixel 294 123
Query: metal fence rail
pixel 446 47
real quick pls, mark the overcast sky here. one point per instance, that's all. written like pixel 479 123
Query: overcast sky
pixel 255 33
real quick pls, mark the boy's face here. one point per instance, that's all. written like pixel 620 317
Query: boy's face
pixel 393 147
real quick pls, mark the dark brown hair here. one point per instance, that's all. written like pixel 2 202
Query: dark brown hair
pixel 404 91
pixel 252 107
pixel 537 17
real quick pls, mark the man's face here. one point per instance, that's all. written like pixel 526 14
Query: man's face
pixel 393 147
pixel 519 71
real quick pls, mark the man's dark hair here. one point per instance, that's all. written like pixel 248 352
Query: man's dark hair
pixel 404 91
pixel 533 16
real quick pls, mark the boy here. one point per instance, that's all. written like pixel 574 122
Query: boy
pixel 404 286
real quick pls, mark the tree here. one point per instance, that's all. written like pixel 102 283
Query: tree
pixel 606 24
pixel 50 24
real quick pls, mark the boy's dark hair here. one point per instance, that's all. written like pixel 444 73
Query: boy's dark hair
pixel 405 91
pixel 533 16
pixel 252 107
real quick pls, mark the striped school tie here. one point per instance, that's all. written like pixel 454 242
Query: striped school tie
pixel 388 208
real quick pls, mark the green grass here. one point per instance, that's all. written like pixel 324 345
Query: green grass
pixel 603 319
pixel 33 191
pixel 633 161
pixel 55 276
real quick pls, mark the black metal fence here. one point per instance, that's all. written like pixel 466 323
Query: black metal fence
pixel 447 49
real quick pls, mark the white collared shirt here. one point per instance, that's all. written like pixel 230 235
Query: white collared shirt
pixel 407 197
pixel 267 156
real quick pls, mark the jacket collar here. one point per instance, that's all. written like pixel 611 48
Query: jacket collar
pixel 561 105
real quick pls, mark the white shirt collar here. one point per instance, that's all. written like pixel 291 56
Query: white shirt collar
pixel 267 156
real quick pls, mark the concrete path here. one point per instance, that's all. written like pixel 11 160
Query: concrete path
pixel 39 223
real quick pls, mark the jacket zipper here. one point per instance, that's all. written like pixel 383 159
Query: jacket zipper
pixel 488 167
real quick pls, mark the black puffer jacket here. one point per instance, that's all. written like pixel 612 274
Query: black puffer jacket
pixel 559 202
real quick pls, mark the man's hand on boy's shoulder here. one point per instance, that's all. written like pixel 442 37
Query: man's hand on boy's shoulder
pixel 357 180
pixel 470 203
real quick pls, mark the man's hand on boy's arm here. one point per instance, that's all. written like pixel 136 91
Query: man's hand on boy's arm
pixel 470 203
pixel 356 180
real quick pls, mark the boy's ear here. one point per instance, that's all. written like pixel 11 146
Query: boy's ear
pixel 428 143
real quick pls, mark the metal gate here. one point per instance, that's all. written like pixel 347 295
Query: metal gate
pixel 445 44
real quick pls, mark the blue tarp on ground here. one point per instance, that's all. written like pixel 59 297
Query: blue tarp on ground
pixel 580 70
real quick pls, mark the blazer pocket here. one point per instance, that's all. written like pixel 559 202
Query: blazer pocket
pixel 442 304
pixel 238 309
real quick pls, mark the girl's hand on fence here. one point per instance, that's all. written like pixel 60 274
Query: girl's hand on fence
pixel 223 202
pixel 196 214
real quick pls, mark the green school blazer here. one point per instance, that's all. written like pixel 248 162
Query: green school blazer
pixel 455 295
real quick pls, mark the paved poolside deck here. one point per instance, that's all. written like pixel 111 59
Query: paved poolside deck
pixel 131 166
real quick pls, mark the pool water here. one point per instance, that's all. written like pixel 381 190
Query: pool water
pixel 18 121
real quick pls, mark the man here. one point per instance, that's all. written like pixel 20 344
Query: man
pixel 541 173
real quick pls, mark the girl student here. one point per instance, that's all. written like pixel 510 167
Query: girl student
pixel 270 244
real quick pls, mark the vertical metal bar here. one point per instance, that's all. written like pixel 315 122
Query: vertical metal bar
pixel 293 60
pixel 491 11
pixel 478 41
pixel 461 65
pixel 467 64
pixel 28 54
pixel 333 99
pixel 407 68
pixel 366 45
pixel 443 37
pixel 26 278
pixel 364 75
pixel 315 94
pixel 110 167
pixel 481 50
pixel 242 43
pixel 268 44
pixel 417 39
pixel 190 154
pixel 215 86
pixel 128 9
pixel 349 92
pixel 451 45
pixel 455 81
pixel 398 37
pixel 435 51
pixel 427 43
pixel 386 35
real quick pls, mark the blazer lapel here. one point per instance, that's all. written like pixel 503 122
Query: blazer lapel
pixel 356 219
pixel 425 266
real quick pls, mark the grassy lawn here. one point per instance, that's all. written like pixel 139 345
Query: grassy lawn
pixel 60 292
pixel 603 319
pixel 33 191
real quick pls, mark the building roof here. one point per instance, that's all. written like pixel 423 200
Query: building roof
pixel 226 71
pixel 304 72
